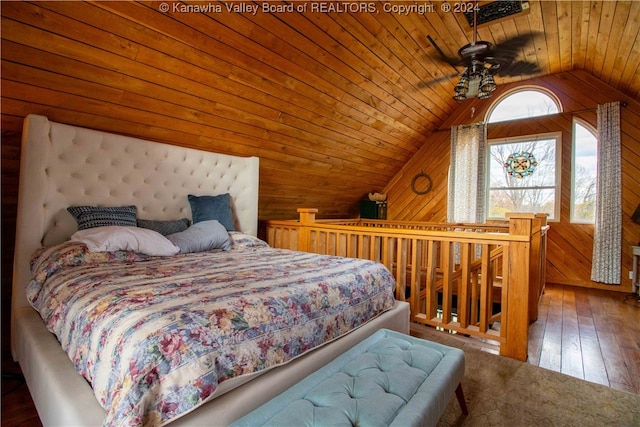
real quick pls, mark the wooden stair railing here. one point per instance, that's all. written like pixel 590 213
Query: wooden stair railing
pixel 468 314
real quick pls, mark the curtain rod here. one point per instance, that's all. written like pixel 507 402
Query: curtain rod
pixel 622 105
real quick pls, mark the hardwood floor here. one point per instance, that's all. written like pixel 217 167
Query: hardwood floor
pixel 585 333
pixel 589 334
pixel 18 409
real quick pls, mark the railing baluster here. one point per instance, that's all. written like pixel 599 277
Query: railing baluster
pixel 387 249
pixel 327 242
pixel 447 281
pixel 377 248
pixel 464 284
pixel 475 298
pixel 485 289
pixel 504 299
pixel 431 300
pixel 415 275
pixel 350 252
pixel 401 272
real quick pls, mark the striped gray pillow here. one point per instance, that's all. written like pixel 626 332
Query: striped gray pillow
pixel 102 216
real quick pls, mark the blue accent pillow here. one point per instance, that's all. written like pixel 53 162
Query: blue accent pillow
pixel 102 216
pixel 207 208
pixel 200 237
pixel 165 227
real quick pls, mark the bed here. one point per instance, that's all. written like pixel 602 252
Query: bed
pixel 63 166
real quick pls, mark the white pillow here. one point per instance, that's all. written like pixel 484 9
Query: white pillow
pixel 119 238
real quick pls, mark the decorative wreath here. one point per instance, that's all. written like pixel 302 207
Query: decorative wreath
pixel 521 164
pixel 425 189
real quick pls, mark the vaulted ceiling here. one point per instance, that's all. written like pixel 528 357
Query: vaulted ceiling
pixel 334 101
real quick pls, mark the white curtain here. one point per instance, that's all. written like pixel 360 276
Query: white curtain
pixel 607 240
pixel 467 174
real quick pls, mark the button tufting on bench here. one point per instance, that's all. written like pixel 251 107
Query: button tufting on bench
pixel 387 379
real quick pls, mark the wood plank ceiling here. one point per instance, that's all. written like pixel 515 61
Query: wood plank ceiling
pixel 333 103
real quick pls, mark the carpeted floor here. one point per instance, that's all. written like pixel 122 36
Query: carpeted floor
pixel 504 392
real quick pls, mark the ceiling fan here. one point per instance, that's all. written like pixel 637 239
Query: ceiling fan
pixel 482 61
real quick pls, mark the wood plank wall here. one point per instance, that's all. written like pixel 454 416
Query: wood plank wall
pixel 570 245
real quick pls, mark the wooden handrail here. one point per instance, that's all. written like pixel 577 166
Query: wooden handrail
pixel 453 275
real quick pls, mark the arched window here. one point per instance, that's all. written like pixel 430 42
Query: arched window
pixel 523 103
pixel 583 177
pixel 524 171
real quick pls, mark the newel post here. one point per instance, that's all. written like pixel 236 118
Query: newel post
pixel 538 262
pixel 307 218
pixel 519 267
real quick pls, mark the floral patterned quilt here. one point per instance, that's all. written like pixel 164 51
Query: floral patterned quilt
pixel 155 336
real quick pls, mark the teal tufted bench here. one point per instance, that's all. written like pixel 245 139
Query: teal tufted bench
pixel 389 379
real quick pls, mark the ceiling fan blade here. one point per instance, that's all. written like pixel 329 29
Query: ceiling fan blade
pixel 518 68
pixel 511 47
pixel 425 84
pixel 454 62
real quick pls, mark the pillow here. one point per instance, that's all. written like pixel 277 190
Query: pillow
pixel 206 208
pixel 117 238
pixel 202 236
pixel 101 216
pixel 165 227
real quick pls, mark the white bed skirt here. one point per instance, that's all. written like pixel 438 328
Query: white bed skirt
pixel 64 398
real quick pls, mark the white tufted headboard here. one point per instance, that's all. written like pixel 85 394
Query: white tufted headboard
pixel 64 165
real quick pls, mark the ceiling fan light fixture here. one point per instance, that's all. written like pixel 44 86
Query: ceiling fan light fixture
pixel 463 85
pixel 475 81
pixel 484 95
pixel 487 84
pixel 459 96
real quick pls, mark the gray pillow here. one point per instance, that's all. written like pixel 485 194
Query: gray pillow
pixel 165 227
pixel 202 236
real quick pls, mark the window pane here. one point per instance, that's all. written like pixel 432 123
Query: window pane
pixel 522 177
pixel 522 104
pixel 514 200
pixel 585 165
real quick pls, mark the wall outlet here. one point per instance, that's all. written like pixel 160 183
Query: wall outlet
pixel 631 274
